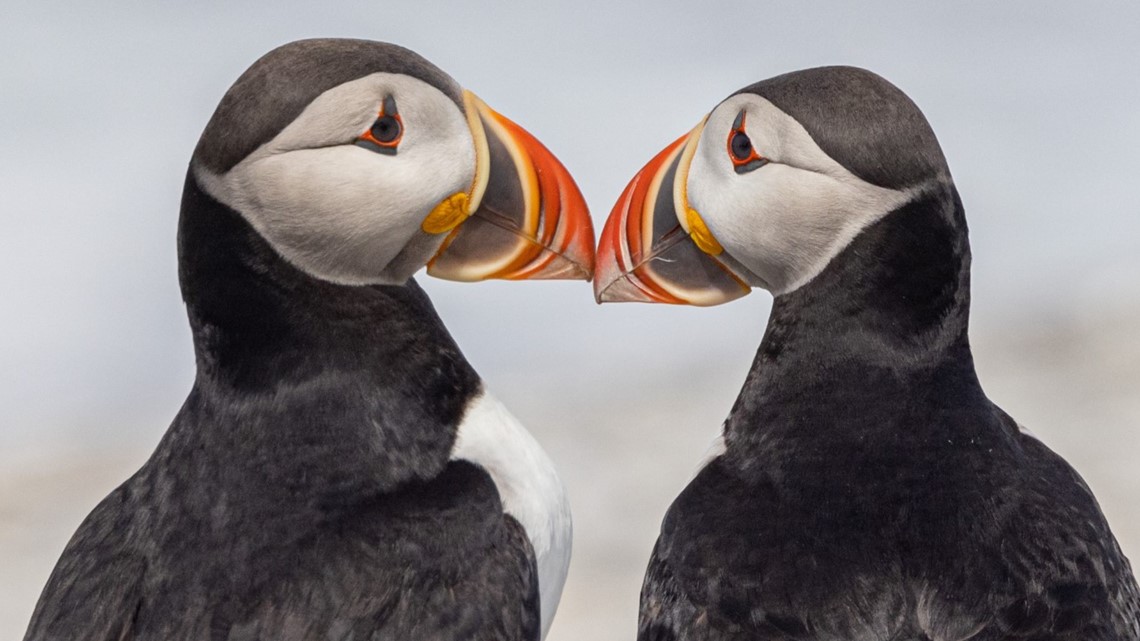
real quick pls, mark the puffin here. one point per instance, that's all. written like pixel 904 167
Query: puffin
pixel 338 470
pixel 864 488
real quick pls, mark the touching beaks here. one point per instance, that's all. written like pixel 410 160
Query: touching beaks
pixel 655 248
pixel 523 217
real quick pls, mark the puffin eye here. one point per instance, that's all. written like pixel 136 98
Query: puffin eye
pixel 740 150
pixel 385 133
pixel 386 129
pixel 741 146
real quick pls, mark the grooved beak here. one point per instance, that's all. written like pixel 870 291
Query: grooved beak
pixel 655 248
pixel 524 216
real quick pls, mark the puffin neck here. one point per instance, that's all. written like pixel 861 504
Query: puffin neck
pixel 257 320
pixel 306 387
pixel 887 319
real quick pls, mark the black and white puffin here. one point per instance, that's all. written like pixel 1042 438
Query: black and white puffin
pixel 338 470
pixel 866 488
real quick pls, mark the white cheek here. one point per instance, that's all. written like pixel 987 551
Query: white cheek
pixel 341 213
pixel 785 224
pixel 344 213
pixel 759 219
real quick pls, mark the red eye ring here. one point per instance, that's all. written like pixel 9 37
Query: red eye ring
pixel 386 132
pixel 743 155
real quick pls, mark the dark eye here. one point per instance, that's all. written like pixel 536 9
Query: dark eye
pixel 386 129
pixel 740 151
pixel 385 133
pixel 741 146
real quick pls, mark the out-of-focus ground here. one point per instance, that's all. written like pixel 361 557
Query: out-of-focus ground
pixel 627 444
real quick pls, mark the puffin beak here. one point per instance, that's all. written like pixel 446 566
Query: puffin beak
pixel 523 218
pixel 655 248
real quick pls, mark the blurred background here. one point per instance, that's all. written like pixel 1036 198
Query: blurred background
pixel 101 104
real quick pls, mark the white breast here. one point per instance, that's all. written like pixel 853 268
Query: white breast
pixel 530 489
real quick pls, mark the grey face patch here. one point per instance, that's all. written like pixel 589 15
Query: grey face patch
pixel 739 121
pixel 862 121
pixel 787 219
pixel 390 106
pixel 278 87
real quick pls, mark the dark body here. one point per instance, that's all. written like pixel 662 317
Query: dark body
pixel 304 491
pixel 870 491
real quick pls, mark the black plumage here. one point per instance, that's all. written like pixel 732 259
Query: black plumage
pixel 869 490
pixel 304 491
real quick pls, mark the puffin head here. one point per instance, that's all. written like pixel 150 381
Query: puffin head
pixel 360 162
pixel 767 189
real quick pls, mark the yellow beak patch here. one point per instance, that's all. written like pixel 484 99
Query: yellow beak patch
pixel 701 235
pixel 447 215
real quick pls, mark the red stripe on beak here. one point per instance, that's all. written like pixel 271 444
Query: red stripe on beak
pixel 621 249
pixel 565 236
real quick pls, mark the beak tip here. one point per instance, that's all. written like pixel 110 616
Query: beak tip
pixel 583 255
pixel 621 288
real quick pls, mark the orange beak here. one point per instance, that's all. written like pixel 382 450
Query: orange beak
pixel 525 217
pixel 648 253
